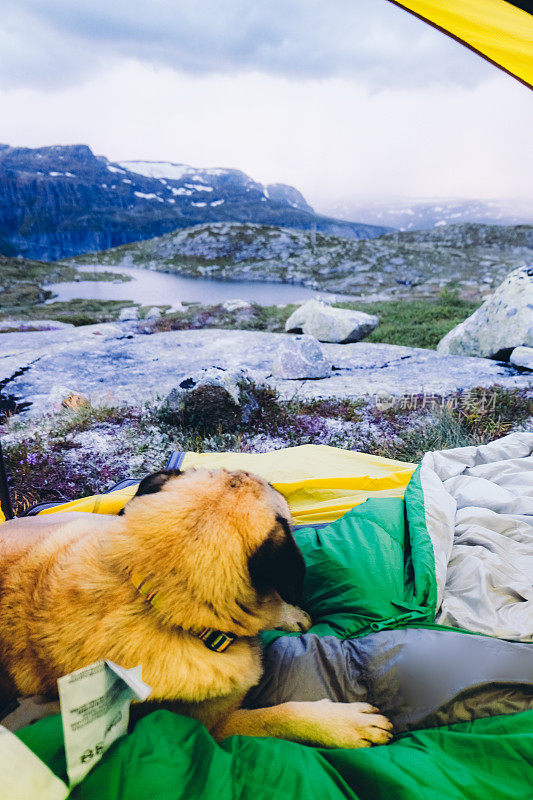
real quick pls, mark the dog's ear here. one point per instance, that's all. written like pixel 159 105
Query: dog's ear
pixel 278 564
pixel 153 483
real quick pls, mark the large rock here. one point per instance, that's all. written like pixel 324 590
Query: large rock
pixel 301 357
pixel 211 399
pixel 328 324
pixel 522 357
pixel 235 304
pixel 226 379
pixel 66 397
pixel 129 314
pixel 503 322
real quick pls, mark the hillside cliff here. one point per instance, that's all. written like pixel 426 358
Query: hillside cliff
pixel 60 201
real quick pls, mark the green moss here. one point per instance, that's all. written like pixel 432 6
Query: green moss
pixel 346 410
pixel 76 312
pixel 414 323
pixel 104 275
pixel 18 270
pixel 22 292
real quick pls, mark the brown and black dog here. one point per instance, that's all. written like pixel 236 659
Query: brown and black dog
pixel 181 582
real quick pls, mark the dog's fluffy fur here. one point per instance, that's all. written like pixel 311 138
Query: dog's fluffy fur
pixel 219 549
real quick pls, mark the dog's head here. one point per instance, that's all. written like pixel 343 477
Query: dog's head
pixel 218 543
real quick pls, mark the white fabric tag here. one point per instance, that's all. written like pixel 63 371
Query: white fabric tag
pixel 23 775
pixel 95 703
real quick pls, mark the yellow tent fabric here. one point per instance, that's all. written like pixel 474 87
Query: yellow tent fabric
pixel 320 483
pixel 498 30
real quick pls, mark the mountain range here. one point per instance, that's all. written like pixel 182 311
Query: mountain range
pixel 63 200
pixel 407 213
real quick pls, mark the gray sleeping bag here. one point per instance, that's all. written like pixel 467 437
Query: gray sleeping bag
pixel 418 677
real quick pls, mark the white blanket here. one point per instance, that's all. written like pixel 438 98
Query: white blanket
pixel 479 514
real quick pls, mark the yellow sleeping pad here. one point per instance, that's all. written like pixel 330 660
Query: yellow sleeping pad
pixel 320 483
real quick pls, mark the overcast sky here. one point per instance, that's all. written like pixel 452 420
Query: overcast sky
pixel 338 98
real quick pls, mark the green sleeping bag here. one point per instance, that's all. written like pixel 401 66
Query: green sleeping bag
pixel 371 571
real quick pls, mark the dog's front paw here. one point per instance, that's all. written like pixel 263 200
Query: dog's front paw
pixel 342 724
pixel 293 619
pixel 364 725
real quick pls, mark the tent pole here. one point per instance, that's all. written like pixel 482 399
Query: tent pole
pixel 5 499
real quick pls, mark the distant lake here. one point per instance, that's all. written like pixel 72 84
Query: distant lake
pixel 148 287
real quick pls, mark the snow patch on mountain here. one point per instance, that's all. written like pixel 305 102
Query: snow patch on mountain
pixel 148 196
pixel 157 169
pixel 199 187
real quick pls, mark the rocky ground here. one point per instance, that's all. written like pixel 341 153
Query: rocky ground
pixel 93 407
pixel 409 264
pixel 115 364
